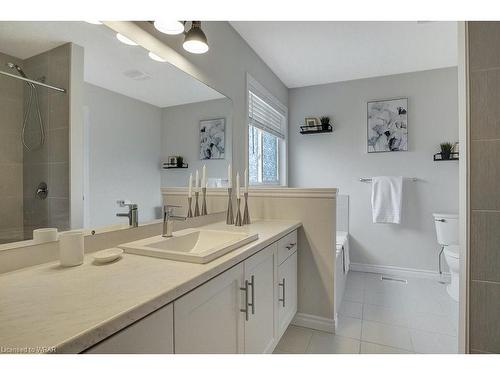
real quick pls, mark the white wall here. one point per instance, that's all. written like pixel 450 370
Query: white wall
pixel 181 136
pixel 339 159
pixel 124 155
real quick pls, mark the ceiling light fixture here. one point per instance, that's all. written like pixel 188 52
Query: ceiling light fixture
pixel 169 27
pixel 125 40
pixel 155 57
pixel 195 40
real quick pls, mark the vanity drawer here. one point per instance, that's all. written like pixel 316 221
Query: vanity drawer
pixel 287 246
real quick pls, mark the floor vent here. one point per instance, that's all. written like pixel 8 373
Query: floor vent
pixel 388 278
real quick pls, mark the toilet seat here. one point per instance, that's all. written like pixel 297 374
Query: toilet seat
pixel 452 251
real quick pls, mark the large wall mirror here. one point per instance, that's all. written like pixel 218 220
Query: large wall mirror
pixel 87 120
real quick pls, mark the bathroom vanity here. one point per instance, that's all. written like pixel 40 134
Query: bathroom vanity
pixel 240 302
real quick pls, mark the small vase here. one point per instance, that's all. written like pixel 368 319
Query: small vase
pixel 445 155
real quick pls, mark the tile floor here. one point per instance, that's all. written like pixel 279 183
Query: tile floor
pixel 382 316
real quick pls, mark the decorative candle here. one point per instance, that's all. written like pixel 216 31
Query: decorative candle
pixel 204 177
pixel 238 185
pixel 196 181
pixel 229 177
pixel 190 191
pixel 246 180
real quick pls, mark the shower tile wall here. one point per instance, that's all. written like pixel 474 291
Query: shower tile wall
pixel 49 163
pixel 484 288
pixel 11 155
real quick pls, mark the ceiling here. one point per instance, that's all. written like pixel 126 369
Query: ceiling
pixel 108 62
pixel 312 53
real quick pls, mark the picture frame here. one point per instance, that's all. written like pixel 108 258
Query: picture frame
pixel 212 139
pixel 312 121
pixel 387 125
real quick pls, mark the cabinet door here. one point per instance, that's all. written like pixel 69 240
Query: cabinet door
pixel 259 328
pixel 287 292
pixel 153 334
pixel 208 319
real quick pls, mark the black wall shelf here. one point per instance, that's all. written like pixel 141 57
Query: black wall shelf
pixel 453 156
pixel 315 129
pixel 173 166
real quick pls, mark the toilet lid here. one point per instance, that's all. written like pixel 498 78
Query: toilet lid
pixel 452 251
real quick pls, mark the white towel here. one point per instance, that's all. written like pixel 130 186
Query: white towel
pixel 387 194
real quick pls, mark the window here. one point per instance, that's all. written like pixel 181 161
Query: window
pixel 266 138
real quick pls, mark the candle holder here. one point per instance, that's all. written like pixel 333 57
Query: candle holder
pixel 238 222
pixel 190 212
pixel 204 201
pixel 196 206
pixel 229 214
pixel 246 214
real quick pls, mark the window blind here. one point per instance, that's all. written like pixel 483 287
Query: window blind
pixel 264 116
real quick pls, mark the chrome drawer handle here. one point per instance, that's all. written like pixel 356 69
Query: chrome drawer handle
pixel 252 283
pixel 440 220
pixel 290 247
pixel 282 284
pixel 245 310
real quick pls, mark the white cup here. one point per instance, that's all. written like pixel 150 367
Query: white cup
pixel 71 248
pixel 43 235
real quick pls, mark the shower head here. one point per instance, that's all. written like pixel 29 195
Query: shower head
pixel 17 68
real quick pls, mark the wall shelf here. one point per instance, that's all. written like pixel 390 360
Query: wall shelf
pixel 315 129
pixel 174 166
pixel 453 156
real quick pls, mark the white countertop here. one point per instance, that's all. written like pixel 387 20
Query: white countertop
pixel 47 307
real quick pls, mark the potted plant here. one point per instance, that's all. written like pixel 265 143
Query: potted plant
pixel 446 148
pixel 325 122
pixel 180 161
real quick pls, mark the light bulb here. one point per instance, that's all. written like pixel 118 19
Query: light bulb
pixel 155 57
pixel 169 27
pixel 125 40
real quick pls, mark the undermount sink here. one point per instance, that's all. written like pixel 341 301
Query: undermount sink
pixel 190 245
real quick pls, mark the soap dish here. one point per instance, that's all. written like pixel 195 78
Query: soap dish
pixel 108 255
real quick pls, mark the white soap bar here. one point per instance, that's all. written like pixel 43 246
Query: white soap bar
pixel 43 235
pixel 71 248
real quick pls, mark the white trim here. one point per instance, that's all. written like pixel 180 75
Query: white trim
pixel 278 192
pixel 314 322
pixel 399 271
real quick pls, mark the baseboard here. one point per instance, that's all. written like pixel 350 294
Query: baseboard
pixel 400 271
pixel 314 322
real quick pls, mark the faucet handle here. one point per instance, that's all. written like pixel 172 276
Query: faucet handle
pixel 126 203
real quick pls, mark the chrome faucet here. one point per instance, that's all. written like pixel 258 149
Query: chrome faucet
pixel 133 215
pixel 168 218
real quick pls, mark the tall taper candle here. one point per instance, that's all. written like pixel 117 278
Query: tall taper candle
pixel 229 177
pixel 204 177
pixel 238 185
pixel 196 181
pixel 246 180
pixel 190 190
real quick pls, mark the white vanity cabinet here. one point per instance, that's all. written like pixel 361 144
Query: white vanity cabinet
pixel 245 309
pixel 232 313
pixel 287 280
pixel 208 319
pixel 153 334
pixel 260 278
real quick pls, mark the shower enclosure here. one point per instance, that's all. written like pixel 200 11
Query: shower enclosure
pixel 34 142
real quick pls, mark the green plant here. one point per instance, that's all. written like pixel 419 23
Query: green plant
pixel 325 120
pixel 446 148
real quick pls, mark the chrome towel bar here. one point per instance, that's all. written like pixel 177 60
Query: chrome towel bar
pixel 368 179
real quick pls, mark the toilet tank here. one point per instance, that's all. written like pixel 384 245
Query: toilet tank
pixel 446 228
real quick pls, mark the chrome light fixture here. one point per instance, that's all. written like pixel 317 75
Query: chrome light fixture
pixel 195 40
pixel 169 27
pixel 155 57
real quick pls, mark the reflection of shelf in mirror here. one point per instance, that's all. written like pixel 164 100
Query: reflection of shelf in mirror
pixel 174 166
pixel 316 129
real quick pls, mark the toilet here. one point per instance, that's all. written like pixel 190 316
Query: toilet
pixel 447 236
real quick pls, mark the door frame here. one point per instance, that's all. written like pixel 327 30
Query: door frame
pixel 464 184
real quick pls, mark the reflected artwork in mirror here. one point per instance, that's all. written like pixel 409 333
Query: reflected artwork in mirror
pixel 87 121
